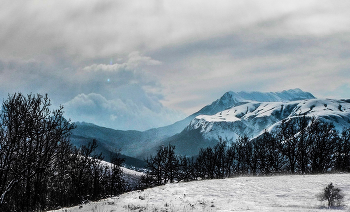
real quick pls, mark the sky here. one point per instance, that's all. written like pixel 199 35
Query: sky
pixel 142 64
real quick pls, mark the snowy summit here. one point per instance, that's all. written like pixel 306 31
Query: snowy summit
pixel 251 113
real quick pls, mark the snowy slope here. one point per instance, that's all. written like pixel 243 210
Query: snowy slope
pixel 253 118
pixel 231 99
pixel 131 177
pixel 260 194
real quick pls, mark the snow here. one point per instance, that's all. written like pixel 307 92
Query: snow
pixel 231 98
pixel 253 118
pixel 273 193
pixel 131 177
pixel 258 109
pixel 286 95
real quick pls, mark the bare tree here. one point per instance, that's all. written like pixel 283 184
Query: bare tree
pixel 322 142
pixel 342 152
pixel 288 142
pixel 30 135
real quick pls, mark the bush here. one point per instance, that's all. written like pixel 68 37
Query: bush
pixel 333 196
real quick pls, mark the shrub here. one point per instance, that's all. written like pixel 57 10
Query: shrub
pixel 333 195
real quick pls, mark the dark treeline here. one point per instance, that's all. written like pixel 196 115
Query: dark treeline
pixel 300 145
pixel 39 168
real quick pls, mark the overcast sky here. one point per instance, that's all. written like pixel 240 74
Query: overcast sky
pixel 142 64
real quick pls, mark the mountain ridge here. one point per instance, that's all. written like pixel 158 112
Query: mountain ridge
pixel 252 119
pixel 230 99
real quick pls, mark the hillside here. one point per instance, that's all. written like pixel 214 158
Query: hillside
pixel 274 193
pixel 131 142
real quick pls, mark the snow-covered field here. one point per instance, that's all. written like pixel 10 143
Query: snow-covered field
pixel 276 193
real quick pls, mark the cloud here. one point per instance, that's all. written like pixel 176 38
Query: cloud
pixel 123 114
pixel 240 62
pixel 40 76
pixel 87 30
pixel 108 79
pixel 33 76
pixel 180 54
pixel 134 61
pixel 120 95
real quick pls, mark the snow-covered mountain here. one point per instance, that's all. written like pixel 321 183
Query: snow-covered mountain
pixel 231 99
pixel 253 117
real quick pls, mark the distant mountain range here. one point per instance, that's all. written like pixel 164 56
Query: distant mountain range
pixel 234 114
pixel 253 118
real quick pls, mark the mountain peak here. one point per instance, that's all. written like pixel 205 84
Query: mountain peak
pixel 285 95
pixel 230 99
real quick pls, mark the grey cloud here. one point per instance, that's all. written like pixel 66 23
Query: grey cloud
pixel 181 54
pixel 100 29
pixel 264 62
pixel 108 79
pixel 40 76
pixel 120 114
pixel 121 96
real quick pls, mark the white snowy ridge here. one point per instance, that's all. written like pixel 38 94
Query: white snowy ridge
pixel 253 118
pixel 230 99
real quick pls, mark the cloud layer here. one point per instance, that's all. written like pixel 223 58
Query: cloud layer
pixel 135 59
pixel 120 114
pixel 116 95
